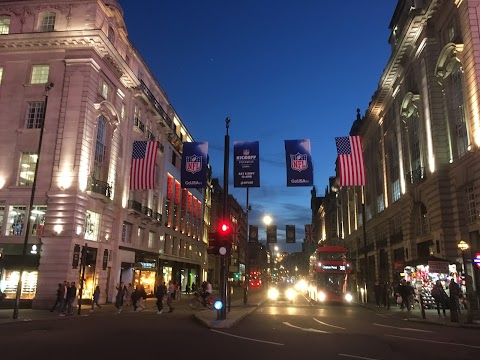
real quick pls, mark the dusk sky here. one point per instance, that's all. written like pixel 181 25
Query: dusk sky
pixel 280 69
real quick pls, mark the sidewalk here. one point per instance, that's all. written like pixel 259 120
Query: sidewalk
pixel 431 316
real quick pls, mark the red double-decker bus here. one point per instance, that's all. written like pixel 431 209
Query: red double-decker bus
pixel 329 274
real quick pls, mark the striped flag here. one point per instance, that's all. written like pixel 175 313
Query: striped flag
pixel 350 155
pixel 142 172
pixel 309 234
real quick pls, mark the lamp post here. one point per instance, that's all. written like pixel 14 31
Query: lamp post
pixel 16 306
pixel 267 220
pixel 247 257
pixel 463 246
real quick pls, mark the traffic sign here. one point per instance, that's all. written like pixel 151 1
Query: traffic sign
pixel 476 260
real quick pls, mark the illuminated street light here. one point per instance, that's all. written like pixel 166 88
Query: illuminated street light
pixel 267 219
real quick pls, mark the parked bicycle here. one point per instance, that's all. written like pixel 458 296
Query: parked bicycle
pixel 197 302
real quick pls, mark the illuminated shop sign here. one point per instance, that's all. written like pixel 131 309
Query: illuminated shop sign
pixel 147 265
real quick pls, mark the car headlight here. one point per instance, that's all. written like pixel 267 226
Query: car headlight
pixel 290 294
pixel 321 296
pixel 273 294
pixel 348 297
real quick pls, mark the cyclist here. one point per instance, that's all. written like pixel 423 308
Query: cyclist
pixel 206 291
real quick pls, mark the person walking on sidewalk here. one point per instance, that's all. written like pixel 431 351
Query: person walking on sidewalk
pixel 71 295
pixel 378 293
pixel 440 296
pixel 160 292
pixel 119 298
pixel 170 295
pixel 59 299
pixel 96 298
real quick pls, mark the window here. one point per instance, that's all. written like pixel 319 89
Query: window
pixel 40 74
pixel 47 23
pixel 28 162
pixel 2 210
pixel 16 217
pixel 1 74
pixel 35 114
pixel 92 222
pixel 127 233
pixel 100 149
pixel 380 203
pixel 140 232
pixel 4 25
pixel 37 219
pixel 421 223
pixel 111 35
pixel 151 236
pixel 104 90
pixel 122 111
pixel 458 111
pixel 471 205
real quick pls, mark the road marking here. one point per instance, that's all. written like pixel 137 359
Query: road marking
pixel 246 338
pixel 435 342
pixel 356 357
pixel 323 323
pixel 307 329
pixel 406 329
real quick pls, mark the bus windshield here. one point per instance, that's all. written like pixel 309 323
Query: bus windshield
pixel 331 282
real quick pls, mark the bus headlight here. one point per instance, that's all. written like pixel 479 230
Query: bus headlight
pixel 348 297
pixel 290 294
pixel 273 294
pixel 321 296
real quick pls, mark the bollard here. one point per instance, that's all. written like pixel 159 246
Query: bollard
pixel 422 307
pixel 453 309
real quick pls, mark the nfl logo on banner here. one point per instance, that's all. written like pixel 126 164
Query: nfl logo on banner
pixel 298 162
pixel 193 164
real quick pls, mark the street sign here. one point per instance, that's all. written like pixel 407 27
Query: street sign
pixel 476 260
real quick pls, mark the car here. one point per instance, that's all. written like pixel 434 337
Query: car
pixel 282 291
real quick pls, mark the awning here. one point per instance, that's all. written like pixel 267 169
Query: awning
pixel 426 260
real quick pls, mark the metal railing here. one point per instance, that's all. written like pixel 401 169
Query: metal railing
pixel 416 175
pixel 100 187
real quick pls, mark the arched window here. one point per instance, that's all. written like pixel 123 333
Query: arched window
pixel 411 120
pixel 100 150
pixel 47 22
pixel 457 110
pixel 394 167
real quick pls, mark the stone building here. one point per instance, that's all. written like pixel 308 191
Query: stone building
pixel 421 137
pixel 71 64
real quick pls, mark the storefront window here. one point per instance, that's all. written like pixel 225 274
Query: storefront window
pixel 16 216
pixel 10 282
pixel 145 278
pixel 37 219
pixel 92 221
pixel 167 274
pixel 2 210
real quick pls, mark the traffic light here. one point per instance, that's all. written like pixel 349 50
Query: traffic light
pixel 219 242
pixel 224 230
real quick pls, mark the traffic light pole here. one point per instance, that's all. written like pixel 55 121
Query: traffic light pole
pixel 247 260
pixel 222 313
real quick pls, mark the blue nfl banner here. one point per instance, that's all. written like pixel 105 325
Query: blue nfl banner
pixel 299 162
pixel 194 165
pixel 246 164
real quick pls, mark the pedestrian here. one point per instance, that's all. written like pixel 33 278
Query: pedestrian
pixel 170 295
pixel 63 307
pixel 187 289
pixel 160 292
pixel 119 298
pixel 377 289
pixel 71 295
pixel 141 302
pixel 128 294
pixel 58 300
pixel 440 296
pixel 96 297
pixel 455 292
pixel 194 287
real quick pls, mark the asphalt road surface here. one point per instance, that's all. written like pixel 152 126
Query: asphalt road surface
pixel 273 331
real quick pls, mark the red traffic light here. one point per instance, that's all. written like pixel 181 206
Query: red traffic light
pixel 224 228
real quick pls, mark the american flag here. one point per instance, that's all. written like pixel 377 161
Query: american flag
pixel 309 234
pixel 350 155
pixel 142 172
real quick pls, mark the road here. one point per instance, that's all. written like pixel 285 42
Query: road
pixel 273 331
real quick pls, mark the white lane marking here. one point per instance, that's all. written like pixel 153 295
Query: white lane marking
pixel 356 357
pixel 323 323
pixel 406 329
pixel 434 341
pixel 307 329
pixel 382 315
pixel 246 338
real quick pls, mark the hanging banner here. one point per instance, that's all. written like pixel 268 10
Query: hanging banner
pixel 299 163
pixel 271 234
pixel 253 233
pixel 194 165
pixel 290 234
pixel 246 165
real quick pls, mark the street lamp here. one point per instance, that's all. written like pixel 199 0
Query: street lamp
pixel 463 246
pixel 16 306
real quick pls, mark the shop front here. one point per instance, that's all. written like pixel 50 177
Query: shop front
pixel 10 266
pixel 424 273
pixel 144 273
